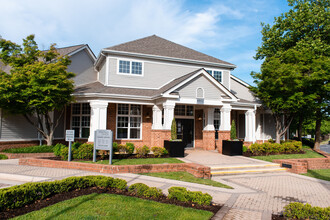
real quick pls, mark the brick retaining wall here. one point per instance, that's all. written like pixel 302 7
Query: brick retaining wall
pixel 197 170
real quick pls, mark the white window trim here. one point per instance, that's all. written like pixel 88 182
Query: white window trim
pixel 130 70
pixel 128 131
pixel 185 116
pixel 203 96
pixel 80 116
pixel 213 73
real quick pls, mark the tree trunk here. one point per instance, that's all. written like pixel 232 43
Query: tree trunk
pixel 278 137
pixel 49 140
pixel 300 125
pixel 318 130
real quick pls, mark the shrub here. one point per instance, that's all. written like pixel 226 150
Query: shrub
pixel 142 151
pixel 21 195
pixel 233 134
pixel 153 192
pixel 122 148
pixel 57 149
pixel 298 210
pixel 182 194
pixel 159 151
pixel 84 151
pixel 173 130
pixel 142 189
pixel 3 157
pixel 274 148
pixel 115 147
pixel 129 148
pixel 76 145
pixel 245 148
pixel 64 153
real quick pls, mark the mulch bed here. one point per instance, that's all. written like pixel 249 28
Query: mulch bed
pixel 278 217
pixel 249 154
pixel 39 204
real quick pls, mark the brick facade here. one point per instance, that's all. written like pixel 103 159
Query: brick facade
pixel 222 135
pixel 158 137
pixel 198 129
pixel 209 140
pixel 302 165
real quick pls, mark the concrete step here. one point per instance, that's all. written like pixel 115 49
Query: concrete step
pixel 245 169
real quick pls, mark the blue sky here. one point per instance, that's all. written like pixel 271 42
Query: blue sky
pixel 226 29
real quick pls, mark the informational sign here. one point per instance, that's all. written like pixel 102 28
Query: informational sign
pixel 103 141
pixel 69 135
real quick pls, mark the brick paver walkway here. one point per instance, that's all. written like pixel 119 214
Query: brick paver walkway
pixel 255 196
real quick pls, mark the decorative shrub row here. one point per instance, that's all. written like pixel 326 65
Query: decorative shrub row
pixel 274 148
pixel 159 151
pixel 128 148
pixel 298 210
pixel 182 194
pixel 79 151
pixel 19 196
pixel 142 189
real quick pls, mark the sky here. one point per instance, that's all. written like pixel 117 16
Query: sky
pixel 229 30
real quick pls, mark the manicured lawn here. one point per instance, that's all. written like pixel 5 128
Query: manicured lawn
pixel 309 154
pixel 32 149
pixel 109 206
pixel 137 161
pixel 323 174
pixel 3 157
pixel 187 177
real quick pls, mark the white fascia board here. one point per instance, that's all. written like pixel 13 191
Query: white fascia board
pixel 169 58
pixel 195 102
pixel 99 59
pixel 111 96
pixel 240 81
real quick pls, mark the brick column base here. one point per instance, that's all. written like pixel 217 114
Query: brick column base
pixel 208 140
pixel 158 137
pixel 222 135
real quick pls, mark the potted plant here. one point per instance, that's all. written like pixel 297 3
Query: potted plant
pixel 175 147
pixel 233 146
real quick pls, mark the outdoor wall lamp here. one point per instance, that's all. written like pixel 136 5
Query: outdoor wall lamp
pixel 200 118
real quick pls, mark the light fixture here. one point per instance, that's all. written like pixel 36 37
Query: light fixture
pixel 147 116
pixel 200 118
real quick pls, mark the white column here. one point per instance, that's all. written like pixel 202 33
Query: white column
pixel 98 117
pixel 250 125
pixel 225 118
pixel 168 115
pixel 156 117
pixel 209 118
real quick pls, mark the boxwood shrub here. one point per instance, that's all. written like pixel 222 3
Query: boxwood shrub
pixel 21 195
pixel 182 194
pixel 159 151
pixel 142 151
pixel 274 148
pixel 142 189
pixel 298 210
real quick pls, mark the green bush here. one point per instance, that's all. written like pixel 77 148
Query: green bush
pixel 182 194
pixel 3 157
pixel 142 151
pixel 245 148
pixel 84 151
pixel 122 148
pixel 274 148
pixel 129 148
pixel 233 134
pixel 21 195
pixel 298 210
pixel 57 149
pixel 115 147
pixel 76 145
pixel 173 130
pixel 159 151
pixel 64 153
pixel 142 189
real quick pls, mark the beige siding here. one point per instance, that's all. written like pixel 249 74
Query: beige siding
pixel 242 92
pixel 102 72
pixel 226 79
pixel 211 92
pixel 83 66
pixel 59 131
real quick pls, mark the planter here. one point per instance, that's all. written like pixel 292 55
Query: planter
pixel 175 148
pixel 232 148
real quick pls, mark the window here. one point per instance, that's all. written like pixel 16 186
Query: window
pixel 209 71
pixel 130 67
pixel 217 75
pixel 200 93
pixel 129 120
pixel 216 122
pixel 184 110
pixel 80 120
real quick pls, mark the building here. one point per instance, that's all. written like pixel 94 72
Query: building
pixel 137 88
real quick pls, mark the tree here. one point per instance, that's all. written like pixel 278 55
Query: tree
pixel 233 134
pixel 38 84
pixel 295 73
pixel 173 130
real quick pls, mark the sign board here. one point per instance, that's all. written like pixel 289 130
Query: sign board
pixel 69 135
pixel 103 139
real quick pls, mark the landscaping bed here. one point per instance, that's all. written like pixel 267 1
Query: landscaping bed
pixel 31 149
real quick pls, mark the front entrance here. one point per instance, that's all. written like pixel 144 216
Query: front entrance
pixel 185 131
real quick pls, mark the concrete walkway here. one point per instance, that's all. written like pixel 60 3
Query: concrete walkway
pixel 253 197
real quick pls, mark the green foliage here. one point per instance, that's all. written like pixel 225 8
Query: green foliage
pixel 57 149
pixel 122 148
pixel 84 151
pixel 141 189
pixel 31 149
pixel 3 157
pixel 159 151
pixel 274 148
pixel 21 195
pixel 115 147
pixel 182 194
pixel 233 134
pixel 142 151
pixel 298 210
pixel 64 151
pixel 129 148
pixel 245 148
pixel 37 85
pixel 76 145
pixel 173 130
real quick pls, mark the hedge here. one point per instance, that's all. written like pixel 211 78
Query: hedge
pixel 182 194
pixel 142 189
pixel 21 195
pixel 298 210
pixel 274 148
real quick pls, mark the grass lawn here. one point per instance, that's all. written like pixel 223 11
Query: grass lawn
pixel 187 177
pixel 323 174
pixel 3 157
pixel 136 161
pixel 309 154
pixel 32 149
pixel 109 206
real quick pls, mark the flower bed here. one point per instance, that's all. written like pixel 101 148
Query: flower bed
pixel 265 149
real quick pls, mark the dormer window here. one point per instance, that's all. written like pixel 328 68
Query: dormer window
pixel 130 67
pixel 216 74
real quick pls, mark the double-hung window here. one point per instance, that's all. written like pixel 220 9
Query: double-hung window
pixel 129 121
pixel 130 67
pixel 80 123
pixel 216 74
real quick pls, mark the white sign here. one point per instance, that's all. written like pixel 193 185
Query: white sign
pixel 103 139
pixel 69 135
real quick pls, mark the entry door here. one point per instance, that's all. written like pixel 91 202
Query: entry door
pixel 185 131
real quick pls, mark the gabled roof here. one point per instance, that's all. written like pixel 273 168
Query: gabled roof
pixel 68 50
pixel 154 45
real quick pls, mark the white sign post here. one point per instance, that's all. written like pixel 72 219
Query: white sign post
pixel 69 136
pixel 103 141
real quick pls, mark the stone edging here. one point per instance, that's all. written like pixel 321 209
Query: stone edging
pixel 26 155
pixel 197 170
